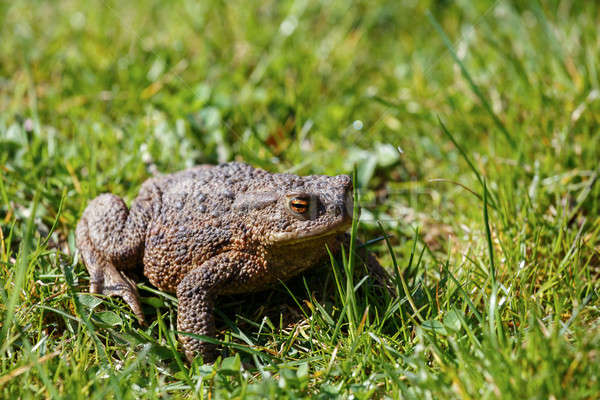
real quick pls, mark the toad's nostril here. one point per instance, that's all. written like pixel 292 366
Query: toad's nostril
pixel 339 210
pixel 346 181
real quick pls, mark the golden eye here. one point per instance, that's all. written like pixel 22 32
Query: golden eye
pixel 299 204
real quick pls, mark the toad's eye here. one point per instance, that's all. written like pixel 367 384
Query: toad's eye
pixel 299 204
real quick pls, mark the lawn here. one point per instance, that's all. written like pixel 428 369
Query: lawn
pixel 473 132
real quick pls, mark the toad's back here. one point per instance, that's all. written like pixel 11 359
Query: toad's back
pixel 196 220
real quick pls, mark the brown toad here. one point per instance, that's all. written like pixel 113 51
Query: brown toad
pixel 213 230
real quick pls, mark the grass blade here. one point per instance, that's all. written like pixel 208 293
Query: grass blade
pixel 472 83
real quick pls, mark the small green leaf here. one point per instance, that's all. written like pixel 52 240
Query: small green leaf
pixel 108 318
pixel 89 301
pixel 302 370
pixel 153 301
pixel 232 364
pixel 179 375
pixel 162 352
pixel 452 321
pixel 434 326
pixel 387 155
pixel 202 93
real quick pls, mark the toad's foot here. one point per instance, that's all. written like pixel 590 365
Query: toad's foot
pixel 111 282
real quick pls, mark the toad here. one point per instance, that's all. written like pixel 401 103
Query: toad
pixel 210 231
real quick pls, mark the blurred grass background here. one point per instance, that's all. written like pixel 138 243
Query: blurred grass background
pixel 97 96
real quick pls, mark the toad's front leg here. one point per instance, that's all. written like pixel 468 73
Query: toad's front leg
pixel 230 272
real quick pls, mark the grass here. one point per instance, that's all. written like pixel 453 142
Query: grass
pixel 473 127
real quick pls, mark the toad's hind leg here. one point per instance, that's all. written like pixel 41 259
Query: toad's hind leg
pixel 110 240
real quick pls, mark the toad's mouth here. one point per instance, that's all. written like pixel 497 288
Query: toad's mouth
pixel 287 238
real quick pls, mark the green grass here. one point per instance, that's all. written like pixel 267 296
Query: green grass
pixel 474 129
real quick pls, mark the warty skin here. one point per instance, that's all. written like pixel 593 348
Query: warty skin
pixel 214 230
